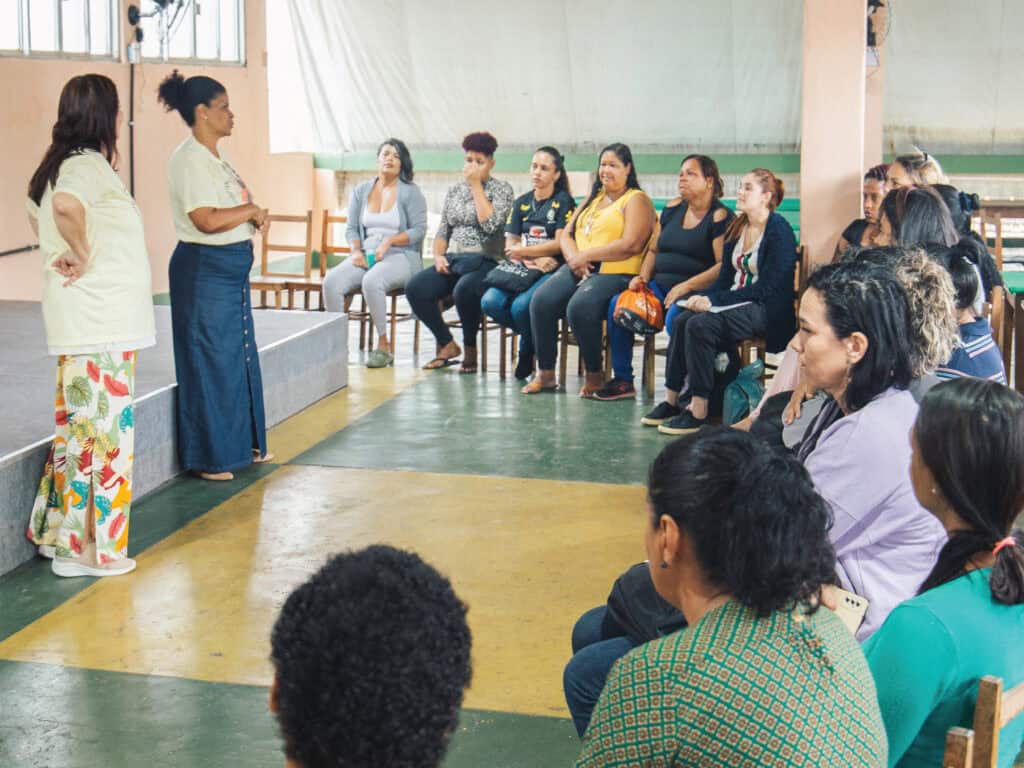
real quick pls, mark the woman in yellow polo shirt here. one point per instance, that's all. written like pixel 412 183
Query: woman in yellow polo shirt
pixel 98 311
pixel 603 251
pixel 221 424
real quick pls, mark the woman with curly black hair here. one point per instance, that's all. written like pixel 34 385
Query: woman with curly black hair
pixel 371 657
pixel 469 244
pixel 968 617
pixel 853 345
pixel 737 539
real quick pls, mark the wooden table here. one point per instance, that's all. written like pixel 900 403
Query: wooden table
pixel 1014 324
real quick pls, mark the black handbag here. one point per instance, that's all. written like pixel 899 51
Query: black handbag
pixel 637 607
pixel 512 277
pixel 464 263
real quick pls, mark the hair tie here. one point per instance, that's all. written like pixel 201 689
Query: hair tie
pixel 1009 541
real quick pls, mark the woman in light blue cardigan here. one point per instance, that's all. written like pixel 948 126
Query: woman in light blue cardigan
pixel 387 220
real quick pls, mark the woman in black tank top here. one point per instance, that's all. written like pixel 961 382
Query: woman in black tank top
pixel 861 232
pixel 684 258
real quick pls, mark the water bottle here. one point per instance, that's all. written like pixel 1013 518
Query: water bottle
pixel 371 259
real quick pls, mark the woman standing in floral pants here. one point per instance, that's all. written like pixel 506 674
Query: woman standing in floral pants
pixel 98 311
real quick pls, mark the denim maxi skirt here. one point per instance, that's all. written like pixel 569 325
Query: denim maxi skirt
pixel 220 389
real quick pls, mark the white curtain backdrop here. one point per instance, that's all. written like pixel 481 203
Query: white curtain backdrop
pixel 661 75
pixel 658 74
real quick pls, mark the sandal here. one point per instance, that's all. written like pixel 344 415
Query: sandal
pixel 440 362
pixel 468 368
pixel 536 386
pixel 587 392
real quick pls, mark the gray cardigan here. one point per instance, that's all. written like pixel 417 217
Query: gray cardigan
pixel 412 214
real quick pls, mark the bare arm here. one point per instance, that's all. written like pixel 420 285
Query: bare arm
pixel 704 279
pixel 484 209
pixel 551 247
pixel 212 221
pixel 639 223
pixel 69 216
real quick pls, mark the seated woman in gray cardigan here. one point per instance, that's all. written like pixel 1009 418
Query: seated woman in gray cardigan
pixel 387 220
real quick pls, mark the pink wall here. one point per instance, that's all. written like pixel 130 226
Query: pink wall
pixel 29 89
pixel 832 126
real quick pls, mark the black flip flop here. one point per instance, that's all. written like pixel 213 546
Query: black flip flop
pixel 445 362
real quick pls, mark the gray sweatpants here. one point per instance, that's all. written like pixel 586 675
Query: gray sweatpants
pixel 389 274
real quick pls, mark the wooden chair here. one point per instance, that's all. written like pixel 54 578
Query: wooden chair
pixel 994 220
pixel 994 310
pixel 509 338
pixel 270 281
pixel 486 325
pixel 994 710
pixel 756 349
pixel 313 283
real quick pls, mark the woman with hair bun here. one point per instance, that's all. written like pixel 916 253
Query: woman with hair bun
pixel 469 244
pixel 967 620
pixel 221 423
pixel 737 540
pixel 752 297
pixel 915 169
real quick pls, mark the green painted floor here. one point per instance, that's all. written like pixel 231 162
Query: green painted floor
pixel 66 716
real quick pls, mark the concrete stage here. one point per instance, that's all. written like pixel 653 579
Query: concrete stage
pixel 304 357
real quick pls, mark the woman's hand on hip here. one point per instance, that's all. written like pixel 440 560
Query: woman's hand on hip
pixel 71 266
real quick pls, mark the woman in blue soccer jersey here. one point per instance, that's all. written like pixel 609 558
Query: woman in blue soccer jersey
pixel 532 235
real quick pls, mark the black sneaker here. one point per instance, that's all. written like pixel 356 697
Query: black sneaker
pixel 616 389
pixel 662 412
pixel 524 367
pixel 683 424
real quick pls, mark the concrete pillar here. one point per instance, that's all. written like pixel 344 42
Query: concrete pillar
pixel 832 124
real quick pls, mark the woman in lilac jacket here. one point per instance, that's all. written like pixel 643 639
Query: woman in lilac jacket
pixel 853 345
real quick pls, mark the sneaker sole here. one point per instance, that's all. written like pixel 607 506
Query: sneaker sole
pixel 49 551
pixel 72 570
pixel 623 396
pixel 647 421
pixel 665 430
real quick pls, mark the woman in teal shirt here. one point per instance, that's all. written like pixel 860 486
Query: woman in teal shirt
pixel 967 620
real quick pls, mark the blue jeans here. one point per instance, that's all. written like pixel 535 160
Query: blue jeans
pixel 513 311
pixel 597 643
pixel 621 341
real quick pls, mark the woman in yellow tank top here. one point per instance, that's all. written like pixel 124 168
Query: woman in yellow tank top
pixel 603 251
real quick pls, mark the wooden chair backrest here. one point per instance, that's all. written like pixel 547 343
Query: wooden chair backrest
pixel 994 220
pixel 268 247
pixel 327 246
pixel 959 748
pixel 993 712
pixel 992 310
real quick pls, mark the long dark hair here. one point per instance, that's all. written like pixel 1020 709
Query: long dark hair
pixel 562 182
pixel 961 262
pixel 405 172
pixel 759 529
pixel 625 156
pixel 709 170
pixel 175 92
pixel 861 296
pixel 970 434
pixel 918 215
pixel 86 119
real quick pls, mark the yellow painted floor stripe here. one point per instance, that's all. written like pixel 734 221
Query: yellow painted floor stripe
pixel 366 390
pixel 528 556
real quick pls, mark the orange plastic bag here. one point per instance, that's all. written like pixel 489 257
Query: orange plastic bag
pixel 640 312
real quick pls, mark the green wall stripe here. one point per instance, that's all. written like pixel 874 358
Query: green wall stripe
pixel 513 162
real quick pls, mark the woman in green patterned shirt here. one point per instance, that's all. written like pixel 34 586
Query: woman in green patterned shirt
pixel 738 541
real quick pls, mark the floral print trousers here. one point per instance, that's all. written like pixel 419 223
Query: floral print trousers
pixel 89 467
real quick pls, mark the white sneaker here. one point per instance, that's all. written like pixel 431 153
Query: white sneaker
pixel 69 567
pixel 49 551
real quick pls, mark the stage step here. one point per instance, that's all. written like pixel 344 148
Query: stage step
pixel 303 355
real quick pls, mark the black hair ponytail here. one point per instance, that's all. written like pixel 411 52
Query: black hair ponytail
pixel 177 93
pixel 970 435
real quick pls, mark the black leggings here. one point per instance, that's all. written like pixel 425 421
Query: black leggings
pixel 425 289
pixel 585 304
pixel 697 337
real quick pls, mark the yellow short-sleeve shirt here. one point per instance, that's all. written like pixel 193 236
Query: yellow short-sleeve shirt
pixel 600 226
pixel 199 179
pixel 111 306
